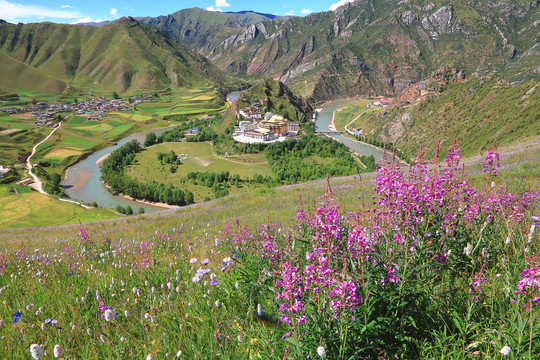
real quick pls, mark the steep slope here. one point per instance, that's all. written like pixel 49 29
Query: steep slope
pixel 475 110
pixel 196 28
pixel 382 46
pixel 122 56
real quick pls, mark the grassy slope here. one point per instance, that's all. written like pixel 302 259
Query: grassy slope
pixel 28 209
pixel 477 112
pixel 122 56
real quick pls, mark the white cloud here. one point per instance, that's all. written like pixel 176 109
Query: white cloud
pixel 13 12
pixel 306 11
pixel 66 6
pixel 289 13
pixel 212 8
pixel 87 20
pixel 114 11
pixel 333 7
pixel 222 3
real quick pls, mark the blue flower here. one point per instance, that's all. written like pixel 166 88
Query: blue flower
pixel 214 282
pixel 16 319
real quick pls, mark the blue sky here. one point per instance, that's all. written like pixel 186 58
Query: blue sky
pixel 74 11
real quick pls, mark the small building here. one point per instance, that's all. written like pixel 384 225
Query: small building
pixel 259 134
pixel 191 132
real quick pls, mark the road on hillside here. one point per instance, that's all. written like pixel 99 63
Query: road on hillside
pixel 37 181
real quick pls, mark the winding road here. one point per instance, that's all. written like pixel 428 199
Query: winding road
pixel 37 181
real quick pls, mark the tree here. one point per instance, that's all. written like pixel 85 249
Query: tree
pixel 115 95
pixel 151 139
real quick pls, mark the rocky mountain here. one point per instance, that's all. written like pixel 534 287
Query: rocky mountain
pixel 197 28
pixel 375 46
pixel 123 56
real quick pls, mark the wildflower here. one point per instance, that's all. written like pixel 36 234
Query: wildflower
pixel 122 339
pixel 193 260
pixel 102 338
pixel 36 351
pixel 259 310
pixel 531 233
pixel 58 352
pixel 195 279
pixel 226 260
pixel 89 332
pixel 237 285
pixel 505 350
pixel 126 313
pixel 321 351
pixel 109 315
pixel 467 250
pixel 240 339
pixel 179 353
pixel 205 261
pixel 217 303
pixel 214 282
pixel 150 357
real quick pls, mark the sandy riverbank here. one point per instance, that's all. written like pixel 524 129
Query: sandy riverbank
pixel 100 161
pixel 156 204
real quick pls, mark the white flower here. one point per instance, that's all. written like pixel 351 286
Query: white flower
pixel 102 338
pixel 531 233
pixel 217 303
pixel 179 353
pixel 122 339
pixel 109 315
pixel 36 351
pixel 89 331
pixel 237 285
pixel 126 313
pixel 150 357
pixel 321 351
pixel 240 339
pixel 505 350
pixel 467 249
pixel 508 240
pixel 259 309
pixel 58 352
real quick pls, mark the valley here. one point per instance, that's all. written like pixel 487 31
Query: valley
pixel 357 183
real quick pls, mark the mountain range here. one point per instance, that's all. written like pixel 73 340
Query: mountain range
pixel 370 47
pixel 123 56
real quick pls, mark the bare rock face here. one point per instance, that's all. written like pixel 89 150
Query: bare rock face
pixel 440 22
pixel 408 17
pixel 397 128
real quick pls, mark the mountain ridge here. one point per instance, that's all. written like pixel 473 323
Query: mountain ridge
pixel 123 56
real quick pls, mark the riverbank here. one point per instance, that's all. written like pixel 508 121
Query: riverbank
pixel 144 202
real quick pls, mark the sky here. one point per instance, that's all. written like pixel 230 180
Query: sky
pixel 78 11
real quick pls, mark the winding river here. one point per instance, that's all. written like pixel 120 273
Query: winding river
pixel 323 122
pixel 82 180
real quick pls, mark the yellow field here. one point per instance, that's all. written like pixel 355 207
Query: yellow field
pixel 34 209
pixel 62 153
pixel 98 128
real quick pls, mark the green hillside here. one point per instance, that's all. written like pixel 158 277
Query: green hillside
pixel 477 112
pixel 123 56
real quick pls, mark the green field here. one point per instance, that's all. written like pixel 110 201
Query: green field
pixel 349 110
pixel 20 207
pixel 200 158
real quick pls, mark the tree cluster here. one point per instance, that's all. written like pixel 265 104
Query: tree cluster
pixel 112 172
pixel 290 163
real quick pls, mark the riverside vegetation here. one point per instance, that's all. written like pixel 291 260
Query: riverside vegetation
pixel 433 266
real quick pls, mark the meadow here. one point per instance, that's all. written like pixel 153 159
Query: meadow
pixel 21 207
pixel 426 263
pixel 200 157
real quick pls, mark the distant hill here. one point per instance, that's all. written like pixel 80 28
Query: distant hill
pixel 122 56
pixel 376 46
pixel 196 28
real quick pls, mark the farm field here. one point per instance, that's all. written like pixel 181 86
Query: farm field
pixel 349 110
pixel 21 207
pixel 200 157
pixel 185 102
